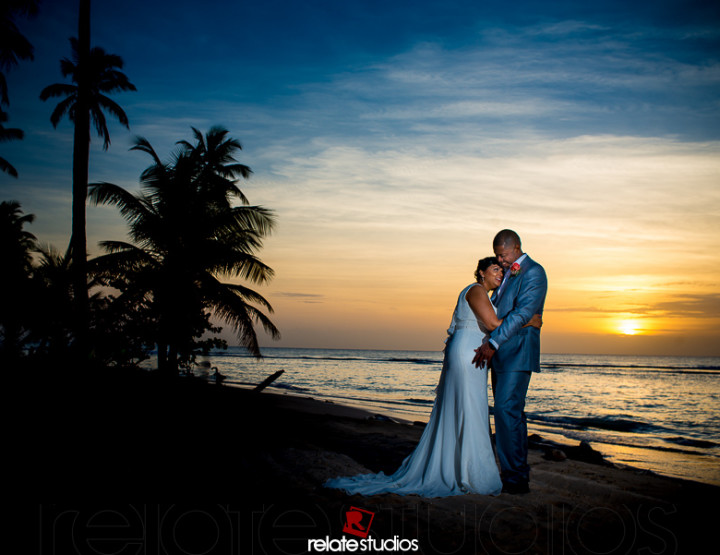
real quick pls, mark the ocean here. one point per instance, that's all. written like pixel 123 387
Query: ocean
pixel 653 413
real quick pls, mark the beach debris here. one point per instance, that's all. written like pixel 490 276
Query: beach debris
pixel 555 455
pixel 382 418
pixel 267 381
pixel 217 376
pixel 582 452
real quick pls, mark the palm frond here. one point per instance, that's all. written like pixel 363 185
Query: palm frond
pixel 199 138
pixel 119 246
pixel 143 145
pixel 230 307
pixel 58 89
pixel 98 119
pixel 63 107
pixel 257 218
pixel 4 98
pixel 51 257
pixel 238 169
pixel 7 167
pixel 74 49
pixel 249 295
pixel 114 108
pixel 68 69
pixel 115 81
pixel 15 46
pixel 131 207
pixel 10 134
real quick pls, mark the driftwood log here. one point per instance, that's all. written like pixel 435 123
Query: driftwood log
pixel 267 381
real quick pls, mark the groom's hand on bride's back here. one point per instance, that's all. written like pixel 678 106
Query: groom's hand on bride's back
pixel 536 321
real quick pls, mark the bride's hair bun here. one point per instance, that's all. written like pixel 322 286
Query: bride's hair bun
pixel 484 264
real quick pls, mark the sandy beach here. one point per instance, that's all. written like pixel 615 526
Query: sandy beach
pixel 253 464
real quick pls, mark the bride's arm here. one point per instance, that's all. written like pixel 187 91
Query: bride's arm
pixel 481 306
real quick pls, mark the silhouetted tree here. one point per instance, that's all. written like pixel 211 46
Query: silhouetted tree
pixel 16 248
pixel 13 47
pixel 51 322
pixel 94 73
pixel 187 233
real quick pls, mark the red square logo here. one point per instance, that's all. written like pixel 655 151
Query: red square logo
pixel 358 521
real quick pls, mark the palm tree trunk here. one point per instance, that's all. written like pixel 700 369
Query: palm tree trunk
pixel 81 160
pixel 78 241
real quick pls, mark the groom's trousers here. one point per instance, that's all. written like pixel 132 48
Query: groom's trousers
pixel 509 391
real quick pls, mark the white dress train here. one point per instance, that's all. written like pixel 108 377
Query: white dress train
pixel 454 455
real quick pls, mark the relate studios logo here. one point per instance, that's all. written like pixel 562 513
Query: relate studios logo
pixel 357 523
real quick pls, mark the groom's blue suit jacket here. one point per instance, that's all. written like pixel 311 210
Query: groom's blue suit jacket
pixel 522 297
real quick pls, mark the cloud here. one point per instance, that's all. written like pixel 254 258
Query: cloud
pixel 684 306
pixel 692 305
pixel 563 79
pixel 621 182
pixel 310 298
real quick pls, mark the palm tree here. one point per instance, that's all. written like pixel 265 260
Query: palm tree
pixel 187 234
pixel 16 248
pixel 94 73
pixel 51 307
pixel 13 47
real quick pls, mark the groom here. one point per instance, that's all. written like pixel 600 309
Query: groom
pixel 513 351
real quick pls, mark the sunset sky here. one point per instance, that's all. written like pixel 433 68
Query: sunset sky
pixel 394 138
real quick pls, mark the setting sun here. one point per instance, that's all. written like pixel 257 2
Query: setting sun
pixel 629 327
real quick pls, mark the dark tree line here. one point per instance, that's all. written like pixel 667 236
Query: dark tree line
pixel 191 226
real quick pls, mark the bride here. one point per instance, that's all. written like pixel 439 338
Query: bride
pixel 455 454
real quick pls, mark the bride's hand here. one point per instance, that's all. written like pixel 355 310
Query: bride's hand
pixel 536 321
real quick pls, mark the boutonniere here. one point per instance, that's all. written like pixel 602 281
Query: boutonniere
pixel 514 269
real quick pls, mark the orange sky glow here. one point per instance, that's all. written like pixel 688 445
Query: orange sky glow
pixel 631 256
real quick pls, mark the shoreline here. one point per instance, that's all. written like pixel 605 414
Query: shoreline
pixel 661 462
pixel 638 425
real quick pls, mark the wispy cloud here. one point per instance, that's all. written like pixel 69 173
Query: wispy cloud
pixel 310 298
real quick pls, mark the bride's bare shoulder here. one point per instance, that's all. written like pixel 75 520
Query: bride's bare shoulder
pixel 475 292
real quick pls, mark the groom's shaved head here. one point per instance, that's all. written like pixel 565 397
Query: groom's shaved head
pixel 507 238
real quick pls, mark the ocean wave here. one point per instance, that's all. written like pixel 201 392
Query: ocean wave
pixel 689 442
pixel 309 357
pixel 289 387
pixel 634 444
pixel 412 360
pixel 611 423
pixel 321 358
pixel 420 401
pixel 435 359
pixel 697 369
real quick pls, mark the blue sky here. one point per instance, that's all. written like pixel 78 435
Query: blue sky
pixel 394 138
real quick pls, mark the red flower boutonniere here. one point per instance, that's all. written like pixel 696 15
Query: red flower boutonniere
pixel 514 269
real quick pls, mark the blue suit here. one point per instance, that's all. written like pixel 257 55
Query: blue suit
pixel 517 356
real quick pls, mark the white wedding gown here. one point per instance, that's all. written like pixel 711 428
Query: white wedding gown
pixel 454 455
